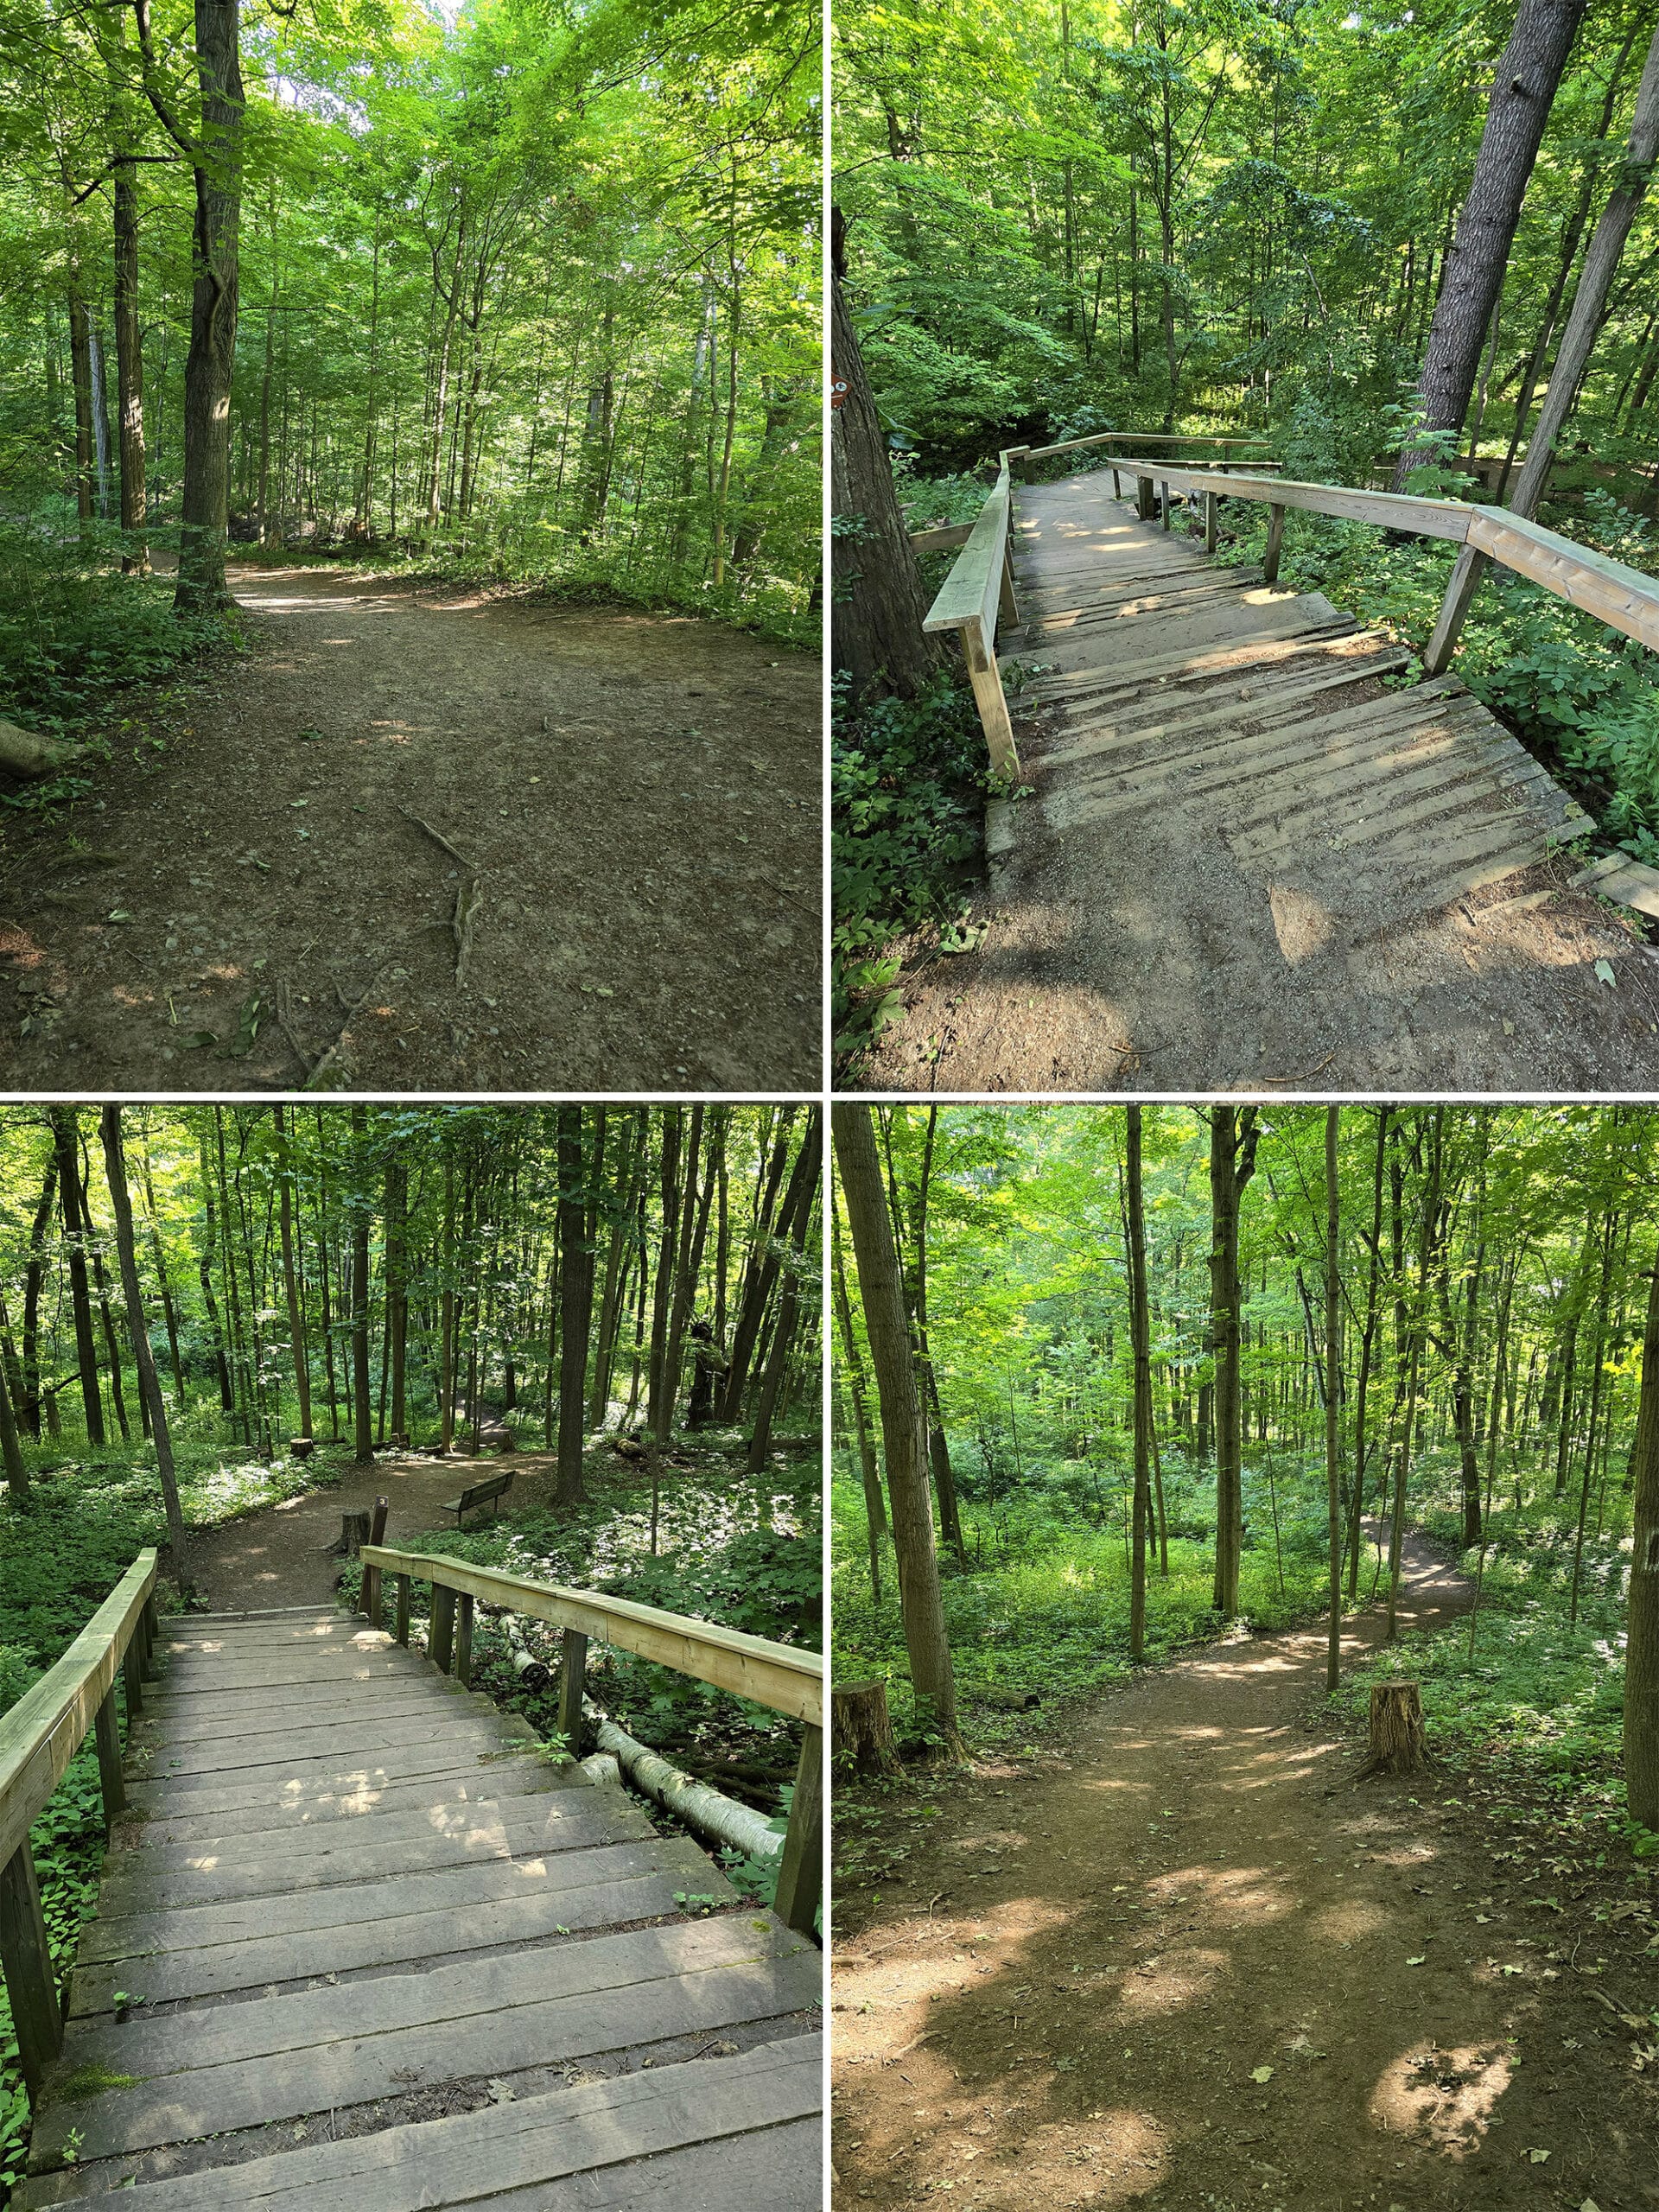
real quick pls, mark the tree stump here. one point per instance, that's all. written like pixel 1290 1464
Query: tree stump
pixel 1399 1743
pixel 860 1734
pixel 353 1535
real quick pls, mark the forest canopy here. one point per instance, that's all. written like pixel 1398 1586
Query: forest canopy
pixel 525 287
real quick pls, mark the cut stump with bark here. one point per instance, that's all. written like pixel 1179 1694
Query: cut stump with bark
pixel 353 1535
pixel 1399 1741
pixel 861 1733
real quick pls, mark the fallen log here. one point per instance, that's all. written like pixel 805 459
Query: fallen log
pixel 707 1810
pixel 24 755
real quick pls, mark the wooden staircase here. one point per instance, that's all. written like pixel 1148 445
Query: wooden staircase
pixel 359 1944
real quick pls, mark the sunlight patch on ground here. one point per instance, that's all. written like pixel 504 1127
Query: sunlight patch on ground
pixel 1164 1985
pixel 1110 2158
pixel 882 2002
pixel 1443 2098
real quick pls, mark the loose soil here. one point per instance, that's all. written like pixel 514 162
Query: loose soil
pixel 1092 1956
pixel 254 905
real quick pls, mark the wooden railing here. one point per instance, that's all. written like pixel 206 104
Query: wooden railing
pixel 1624 598
pixel 978 589
pixel 780 1675
pixel 38 1738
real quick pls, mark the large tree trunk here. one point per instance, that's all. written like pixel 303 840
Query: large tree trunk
pixel 362 1401
pixel 291 1279
pixel 878 600
pixel 1523 88
pixel 1232 1162
pixel 1589 300
pixel 1642 1653
pixel 129 372
pixel 216 156
pixel 148 1382
pixel 904 1430
pixel 33 1279
pixel 65 1138
pixel 1332 1394
pixel 576 1305
pixel 1140 1339
pixel 875 1508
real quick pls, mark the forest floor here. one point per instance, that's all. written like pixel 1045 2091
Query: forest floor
pixel 246 900
pixel 281 1556
pixel 1187 1962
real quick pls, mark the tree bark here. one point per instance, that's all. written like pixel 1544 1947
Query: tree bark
pixel 1333 1394
pixel 878 600
pixel 1233 1136
pixel 1589 300
pixel 1641 1652
pixel 575 1306
pixel 362 1401
pixel 904 1430
pixel 148 1382
pixel 1523 88
pixel 66 1138
pixel 1141 1339
pixel 290 1281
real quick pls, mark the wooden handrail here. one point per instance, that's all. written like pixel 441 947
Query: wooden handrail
pixel 978 589
pixel 1128 437
pixel 1623 597
pixel 781 1676
pixel 38 1738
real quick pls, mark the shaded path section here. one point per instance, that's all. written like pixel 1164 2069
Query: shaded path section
pixel 1244 857
pixel 640 795
pixel 1101 1952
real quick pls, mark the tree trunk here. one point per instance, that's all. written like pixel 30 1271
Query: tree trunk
pixel 1233 1137
pixel 875 1508
pixel 1139 1337
pixel 879 600
pixel 903 1428
pixel 216 160
pixel 1399 1744
pixel 860 1733
pixel 1333 1394
pixel 66 1138
pixel 129 373
pixel 1523 89
pixel 576 1305
pixel 1606 246
pixel 290 1282
pixel 1642 1653
pixel 362 1401
pixel 148 1382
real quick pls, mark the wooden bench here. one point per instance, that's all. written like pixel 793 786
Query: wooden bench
pixel 493 1487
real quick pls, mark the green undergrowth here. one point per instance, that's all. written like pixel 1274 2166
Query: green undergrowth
pixel 908 782
pixel 1581 692
pixel 76 635
pixel 1532 1715
pixel 1042 1606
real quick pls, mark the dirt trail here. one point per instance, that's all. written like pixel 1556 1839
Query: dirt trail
pixel 279 1557
pixel 641 793
pixel 1094 1958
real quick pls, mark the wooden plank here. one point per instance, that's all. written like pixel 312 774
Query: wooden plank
pixel 788 1679
pixel 365 1737
pixel 533 1913
pixel 517 1828
pixel 429 1799
pixel 154 1929
pixel 1620 877
pixel 945 538
pixel 532 2139
pixel 319 1782
pixel 800 1869
pixel 251 1713
pixel 1616 594
pixel 276 2058
pixel 43 1731
pixel 26 1960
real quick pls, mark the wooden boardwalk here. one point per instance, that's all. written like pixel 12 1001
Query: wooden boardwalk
pixel 359 1945
pixel 1244 856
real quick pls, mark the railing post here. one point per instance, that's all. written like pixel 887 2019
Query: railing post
pixel 1143 505
pixel 464 1638
pixel 1466 572
pixel 400 1634
pixel 372 1575
pixel 1007 607
pixel 25 1957
pixel 989 698
pixel 1275 543
pixel 108 1732
pixel 1118 492
pixel 573 1671
pixel 800 1874
pixel 441 1636
pixel 152 1628
pixel 1211 520
pixel 1163 488
pixel 132 1664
